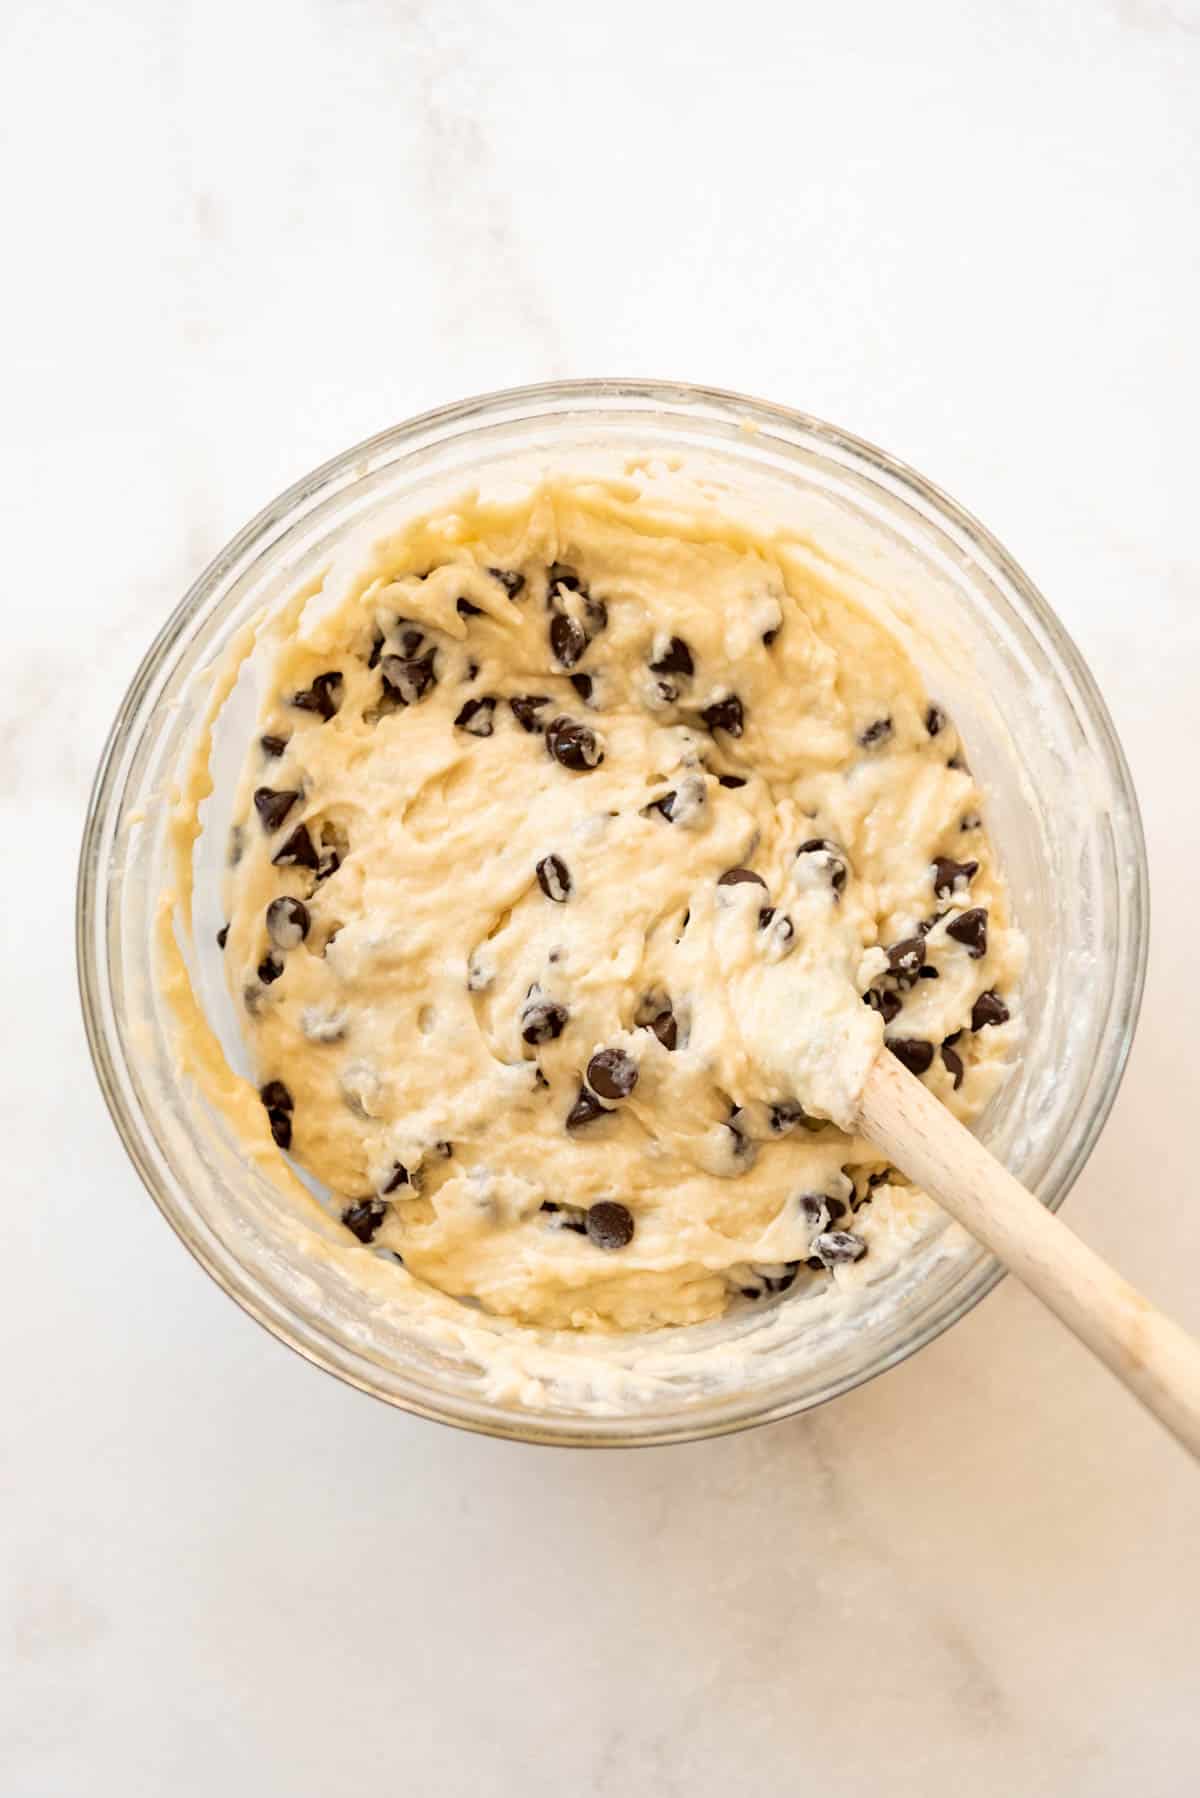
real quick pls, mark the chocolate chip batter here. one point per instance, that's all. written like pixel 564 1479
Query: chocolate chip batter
pixel 589 848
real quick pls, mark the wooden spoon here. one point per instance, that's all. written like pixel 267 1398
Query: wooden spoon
pixel 1159 1362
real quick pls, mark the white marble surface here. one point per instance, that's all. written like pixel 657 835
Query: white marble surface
pixel 243 235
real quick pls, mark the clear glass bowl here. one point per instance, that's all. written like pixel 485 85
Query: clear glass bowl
pixel 1059 804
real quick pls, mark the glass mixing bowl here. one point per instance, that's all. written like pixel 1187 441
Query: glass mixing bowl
pixel 1060 808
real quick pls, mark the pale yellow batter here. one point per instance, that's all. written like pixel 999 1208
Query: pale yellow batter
pixel 487 838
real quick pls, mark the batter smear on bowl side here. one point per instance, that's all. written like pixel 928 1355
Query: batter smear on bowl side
pixel 588 848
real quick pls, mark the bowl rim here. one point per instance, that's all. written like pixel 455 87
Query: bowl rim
pixel 335 474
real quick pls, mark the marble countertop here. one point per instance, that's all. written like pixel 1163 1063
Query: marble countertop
pixel 244 235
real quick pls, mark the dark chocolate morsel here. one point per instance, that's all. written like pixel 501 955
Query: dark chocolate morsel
pixel 834 1246
pixel 582 684
pixel 276 1097
pixel 561 574
pixel 883 1000
pixel 726 714
pixel 324 695
pixel 273 746
pixel 736 877
pixel 665 1028
pixel 568 639
pixel 946 872
pixel 989 1008
pixel 953 1064
pixel 269 969
pixel 971 930
pixel 509 579
pixel 408 678
pixel 297 851
pixel 525 708
pixel 732 781
pixel 554 878
pixel 876 733
pixel 364 1218
pixel 906 958
pixel 573 745
pixel 676 659
pixel 477 717
pixel 273 807
pixel 281 1126
pixel 612 1074
pixel 585 1109
pixel 911 1052
pixel 287 922
pixel 222 936
pixel 609 1225
pixel 837 862
pixel 542 1020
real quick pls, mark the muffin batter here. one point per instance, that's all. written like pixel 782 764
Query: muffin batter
pixel 588 851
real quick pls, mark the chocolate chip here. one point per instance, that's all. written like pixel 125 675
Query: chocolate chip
pixel 465 609
pixel 971 930
pixel 725 714
pixel 512 582
pixel 477 717
pixel 376 649
pixel 279 1105
pixel 573 745
pixel 612 1074
pixel 297 851
pixel 269 969
pixel 273 807
pixel 814 1209
pixel 928 973
pixel 568 639
pixel 675 659
pixel 287 922
pixel 585 1110
pixel 665 1028
pixel 324 696
pixel 953 1064
pixel 561 574
pixel 542 1020
pixel 554 878
pixel 397 1178
pixel 736 877
pixel 837 1210
pixel 364 1218
pixel 989 1008
pixel 946 873
pixel 582 684
pixel 876 733
pixel 222 936
pixel 273 746
pixel 609 1225
pixel 732 781
pixel 915 1055
pixel 838 1246
pixel 408 678
pixel 834 860
pixel 883 1000
pixel 906 958
pixel 935 720
pixel 525 708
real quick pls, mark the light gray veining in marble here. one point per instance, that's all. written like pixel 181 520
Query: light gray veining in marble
pixel 243 235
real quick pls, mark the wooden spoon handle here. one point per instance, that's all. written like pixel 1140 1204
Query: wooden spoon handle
pixel 1159 1362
